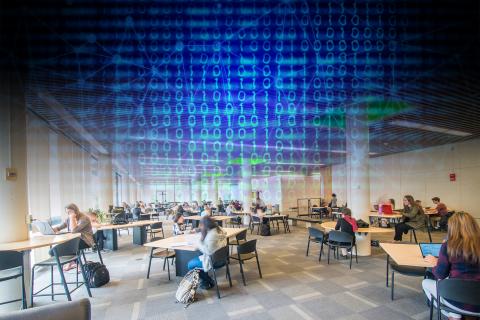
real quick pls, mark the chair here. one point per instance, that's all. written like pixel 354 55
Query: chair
pixel 255 221
pixel 235 221
pixel 78 310
pixel 155 228
pixel 337 240
pixel 61 254
pixel 427 227
pixel 11 267
pixel 404 270
pixel 157 253
pixel 286 226
pixel 219 259
pixel 247 251
pixel 239 239
pixel 458 290
pixel 317 236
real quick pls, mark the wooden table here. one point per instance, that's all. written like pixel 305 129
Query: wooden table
pixel 276 217
pixel 407 255
pixel 219 219
pixel 184 248
pixel 139 233
pixel 38 241
pixel 330 225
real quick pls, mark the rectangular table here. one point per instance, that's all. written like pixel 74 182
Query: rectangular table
pixel 219 219
pixel 139 233
pixel 183 245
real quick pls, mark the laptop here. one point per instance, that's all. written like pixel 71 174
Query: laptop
pixel 45 228
pixel 432 249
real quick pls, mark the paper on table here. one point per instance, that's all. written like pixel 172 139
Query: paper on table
pixel 180 244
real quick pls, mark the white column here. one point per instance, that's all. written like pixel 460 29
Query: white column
pixel 105 187
pixel 246 185
pixel 198 188
pixel 13 193
pixel 358 176
pixel 215 190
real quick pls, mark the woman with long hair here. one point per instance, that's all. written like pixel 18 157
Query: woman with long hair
pixel 212 238
pixel 459 258
pixel 413 218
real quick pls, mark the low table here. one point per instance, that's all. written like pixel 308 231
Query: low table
pixel 183 245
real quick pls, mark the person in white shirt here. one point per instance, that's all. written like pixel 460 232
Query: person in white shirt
pixel 212 238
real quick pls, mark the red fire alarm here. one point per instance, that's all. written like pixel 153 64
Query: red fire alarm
pixel 453 177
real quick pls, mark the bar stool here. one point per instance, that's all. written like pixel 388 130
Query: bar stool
pixel 60 255
pixel 11 267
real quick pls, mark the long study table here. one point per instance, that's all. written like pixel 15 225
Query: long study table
pixel 184 247
pixel 139 233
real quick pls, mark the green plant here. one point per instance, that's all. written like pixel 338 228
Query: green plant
pixel 101 215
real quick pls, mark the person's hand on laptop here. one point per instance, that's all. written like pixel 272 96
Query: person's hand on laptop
pixel 431 260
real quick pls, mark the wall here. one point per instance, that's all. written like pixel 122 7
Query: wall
pixel 424 174
pixel 59 172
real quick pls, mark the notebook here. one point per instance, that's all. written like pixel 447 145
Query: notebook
pixel 430 249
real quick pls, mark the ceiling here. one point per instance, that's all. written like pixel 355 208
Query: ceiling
pixel 174 89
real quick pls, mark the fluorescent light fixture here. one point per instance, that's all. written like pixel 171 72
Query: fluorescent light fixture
pixel 316 173
pixel 426 127
pixel 297 163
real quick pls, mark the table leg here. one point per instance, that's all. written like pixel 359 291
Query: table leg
pixel 388 266
pixel 111 243
pixel 139 235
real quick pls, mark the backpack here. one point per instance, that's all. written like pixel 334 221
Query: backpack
pixel 265 228
pixel 188 287
pixel 97 274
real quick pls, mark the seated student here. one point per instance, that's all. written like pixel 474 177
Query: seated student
pixel 99 236
pixel 137 211
pixel 419 203
pixel 441 209
pixel 178 224
pixel 332 204
pixel 459 257
pixel 413 218
pixel 347 224
pixel 77 222
pixel 207 211
pixel 392 203
pixel 212 238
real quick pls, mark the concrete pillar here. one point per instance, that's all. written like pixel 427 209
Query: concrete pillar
pixel 215 190
pixel 246 185
pixel 358 176
pixel 105 187
pixel 198 188
pixel 13 191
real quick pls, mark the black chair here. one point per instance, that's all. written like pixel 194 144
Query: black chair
pixel 219 259
pixel 317 236
pixel 404 270
pixel 155 228
pixel 427 227
pixel 255 221
pixel 247 251
pixel 61 254
pixel 239 239
pixel 458 290
pixel 235 221
pixel 338 240
pixel 11 267
pixel 157 253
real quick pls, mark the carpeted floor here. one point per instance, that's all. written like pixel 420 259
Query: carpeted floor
pixel 293 286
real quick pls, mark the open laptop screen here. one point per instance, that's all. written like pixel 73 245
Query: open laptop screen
pixel 432 249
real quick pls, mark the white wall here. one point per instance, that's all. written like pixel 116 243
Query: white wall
pixel 424 174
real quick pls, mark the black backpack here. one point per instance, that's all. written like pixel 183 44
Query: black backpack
pixel 265 228
pixel 97 274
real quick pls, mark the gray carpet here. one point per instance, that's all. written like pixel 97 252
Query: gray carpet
pixel 293 286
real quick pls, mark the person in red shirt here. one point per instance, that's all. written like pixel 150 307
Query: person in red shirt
pixel 442 211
